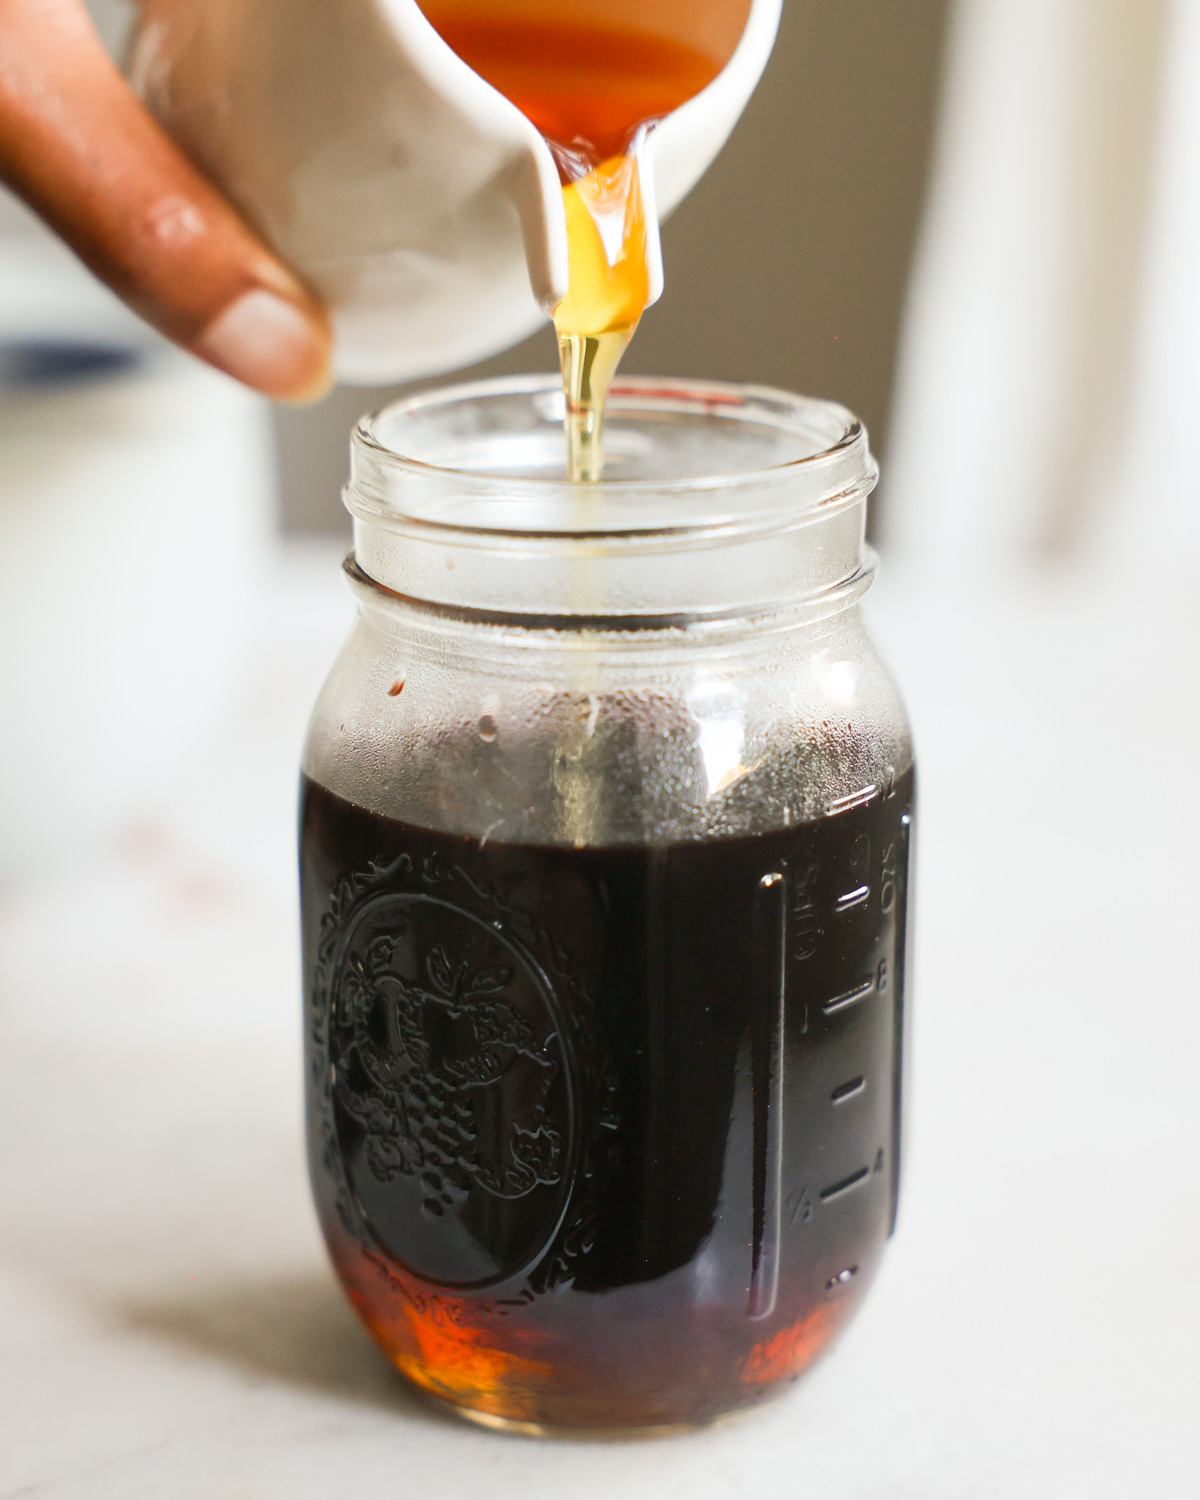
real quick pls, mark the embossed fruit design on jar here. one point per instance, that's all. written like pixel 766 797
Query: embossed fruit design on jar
pixel 605 837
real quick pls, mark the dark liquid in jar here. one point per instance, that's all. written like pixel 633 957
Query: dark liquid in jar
pixel 605 1137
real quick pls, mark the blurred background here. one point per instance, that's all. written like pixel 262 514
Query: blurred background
pixel 977 223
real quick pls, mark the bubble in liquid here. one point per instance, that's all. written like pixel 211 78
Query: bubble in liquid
pixel 487 729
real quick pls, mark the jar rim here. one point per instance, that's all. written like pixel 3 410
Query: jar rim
pixel 817 454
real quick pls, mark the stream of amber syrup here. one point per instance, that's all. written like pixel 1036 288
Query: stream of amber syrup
pixel 593 91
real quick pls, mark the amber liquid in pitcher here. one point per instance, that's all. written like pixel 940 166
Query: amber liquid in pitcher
pixel 592 89
pixel 605 1137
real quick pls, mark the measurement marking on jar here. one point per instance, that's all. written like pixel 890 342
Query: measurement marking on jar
pixel 855 799
pixel 848 1090
pixel 849 998
pixel 852 898
pixel 846 1185
pixel 767 1044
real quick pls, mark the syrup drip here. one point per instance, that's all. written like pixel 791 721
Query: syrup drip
pixel 610 287
pixel 594 91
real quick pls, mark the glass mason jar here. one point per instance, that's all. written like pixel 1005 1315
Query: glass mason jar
pixel 606 822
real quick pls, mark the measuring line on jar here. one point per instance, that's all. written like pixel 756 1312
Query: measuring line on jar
pixel 850 997
pixel 847 1184
pixel 849 1090
pixel 767 1046
pixel 852 898
pixel 855 799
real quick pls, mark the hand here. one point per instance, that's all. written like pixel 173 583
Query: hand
pixel 79 148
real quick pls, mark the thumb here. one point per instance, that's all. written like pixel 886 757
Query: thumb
pixel 79 148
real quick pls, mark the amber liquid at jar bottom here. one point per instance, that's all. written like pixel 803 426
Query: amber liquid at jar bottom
pixel 605 1137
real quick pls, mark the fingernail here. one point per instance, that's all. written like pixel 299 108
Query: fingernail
pixel 270 344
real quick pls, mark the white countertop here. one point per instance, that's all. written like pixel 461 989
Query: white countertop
pixel 168 1325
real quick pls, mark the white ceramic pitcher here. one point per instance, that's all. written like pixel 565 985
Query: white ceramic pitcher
pixel 423 207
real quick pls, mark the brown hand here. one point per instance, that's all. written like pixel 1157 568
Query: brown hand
pixel 79 148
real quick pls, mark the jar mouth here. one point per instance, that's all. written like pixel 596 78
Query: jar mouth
pixel 719 501
pixel 684 458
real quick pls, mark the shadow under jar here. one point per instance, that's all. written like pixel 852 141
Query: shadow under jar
pixel 606 824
